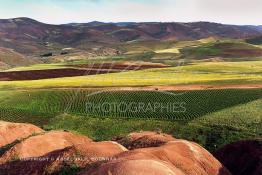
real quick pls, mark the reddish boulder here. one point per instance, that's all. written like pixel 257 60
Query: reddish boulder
pixel 144 139
pixel 179 157
pixel 242 158
pixel 54 151
pixel 50 163
pixel 135 167
pixel 80 155
pixel 101 150
pixel 43 144
pixel 10 132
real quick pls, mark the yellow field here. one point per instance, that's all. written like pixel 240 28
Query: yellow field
pixel 200 73
pixel 171 50
pixel 37 67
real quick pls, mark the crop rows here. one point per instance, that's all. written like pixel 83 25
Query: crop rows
pixel 179 105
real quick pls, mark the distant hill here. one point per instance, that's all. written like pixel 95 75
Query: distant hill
pixel 10 58
pixel 223 49
pixel 30 37
pixel 256 27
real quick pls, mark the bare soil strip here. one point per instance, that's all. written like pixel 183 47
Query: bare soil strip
pixel 77 70
pixel 46 74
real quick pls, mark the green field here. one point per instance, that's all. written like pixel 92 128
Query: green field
pixel 236 113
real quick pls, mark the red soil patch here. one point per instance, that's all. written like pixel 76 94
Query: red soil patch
pixel 144 139
pixel 10 132
pixel 132 167
pixel 242 53
pixel 40 145
pixel 81 156
pixel 47 164
pixel 51 152
pixel 104 149
pixel 90 69
pixel 178 157
pixel 51 73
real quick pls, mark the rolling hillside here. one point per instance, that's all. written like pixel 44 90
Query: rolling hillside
pixel 9 59
pixel 28 36
pixel 223 49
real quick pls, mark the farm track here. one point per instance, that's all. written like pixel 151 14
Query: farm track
pixel 194 87
pixel 168 87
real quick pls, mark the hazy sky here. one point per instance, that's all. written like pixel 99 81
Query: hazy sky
pixel 65 11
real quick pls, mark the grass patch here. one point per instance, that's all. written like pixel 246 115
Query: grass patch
pixel 211 131
pixel 225 49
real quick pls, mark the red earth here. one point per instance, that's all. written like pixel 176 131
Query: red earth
pixel 179 157
pixel 49 73
pixel 144 139
pixel 50 152
pixel 77 70
pixel 55 151
pixel 11 132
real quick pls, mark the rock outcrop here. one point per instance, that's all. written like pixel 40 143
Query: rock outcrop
pixel 177 157
pixel 51 152
pixel 42 144
pixel 56 152
pixel 11 132
pixel 78 156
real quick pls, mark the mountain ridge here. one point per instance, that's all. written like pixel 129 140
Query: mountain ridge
pixel 28 36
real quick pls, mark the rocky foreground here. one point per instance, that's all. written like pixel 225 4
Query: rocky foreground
pixel 27 149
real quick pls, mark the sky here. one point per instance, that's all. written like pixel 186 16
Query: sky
pixel 241 12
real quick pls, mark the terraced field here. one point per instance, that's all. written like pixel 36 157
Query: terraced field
pixel 174 105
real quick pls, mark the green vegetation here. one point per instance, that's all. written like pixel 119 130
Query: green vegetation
pixel 198 115
pixel 223 49
pixel 186 105
pixel 202 51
